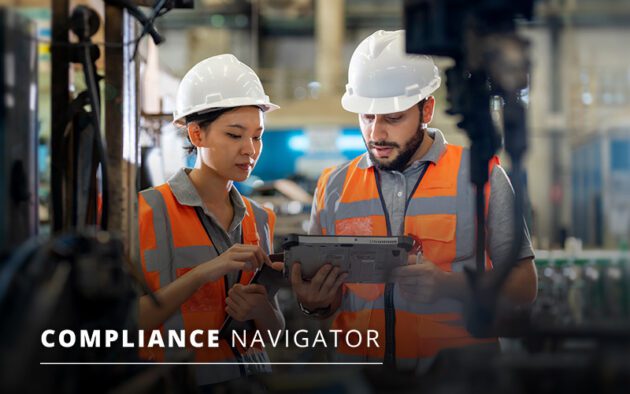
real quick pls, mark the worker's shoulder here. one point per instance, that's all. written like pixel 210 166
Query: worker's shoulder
pixel 154 192
pixel 259 209
pixel 455 149
pixel 155 189
pixel 155 197
pixel 255 204
pixel 334 171
pixel 151 202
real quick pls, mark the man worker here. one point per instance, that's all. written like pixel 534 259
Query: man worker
pixel 409 182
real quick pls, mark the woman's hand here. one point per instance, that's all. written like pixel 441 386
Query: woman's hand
pixel 248 302
pixel 238 257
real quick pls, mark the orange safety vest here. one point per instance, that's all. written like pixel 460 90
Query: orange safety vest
pixel 172 242
pixel 440 213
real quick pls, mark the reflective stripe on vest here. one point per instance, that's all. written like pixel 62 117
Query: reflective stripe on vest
pixel 441 214
pixel 172 242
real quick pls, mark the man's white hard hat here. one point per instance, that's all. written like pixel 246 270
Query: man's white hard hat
pixel 383 79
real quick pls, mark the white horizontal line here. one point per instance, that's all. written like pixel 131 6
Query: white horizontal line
pixel 209 363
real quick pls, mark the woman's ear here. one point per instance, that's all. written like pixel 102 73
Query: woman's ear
pixel 195 134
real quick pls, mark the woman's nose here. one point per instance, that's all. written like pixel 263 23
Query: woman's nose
pixel 248 147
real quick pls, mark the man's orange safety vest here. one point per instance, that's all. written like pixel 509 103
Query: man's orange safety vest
pixel 440 213
pixel 172 242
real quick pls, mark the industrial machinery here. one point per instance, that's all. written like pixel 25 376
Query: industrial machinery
pixel 568 343
pixel 18 131
pixel 491 64
pixel 73 282
pixel 77 278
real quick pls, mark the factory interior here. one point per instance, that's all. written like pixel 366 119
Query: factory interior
pixel 89 119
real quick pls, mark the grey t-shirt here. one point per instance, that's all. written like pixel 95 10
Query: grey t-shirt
pixel 397 187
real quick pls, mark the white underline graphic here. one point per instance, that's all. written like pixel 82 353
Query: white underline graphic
pixel 210 363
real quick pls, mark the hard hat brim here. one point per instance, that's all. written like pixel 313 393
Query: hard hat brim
pixel 178 119
pixel 378 106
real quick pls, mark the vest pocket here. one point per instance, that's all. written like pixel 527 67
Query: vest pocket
pixel 437 233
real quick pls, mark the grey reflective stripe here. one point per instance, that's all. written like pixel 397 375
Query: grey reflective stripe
pixel 192 256
pixel 365 162
pixel 332 193
pixel 262 227
pixel 432 205
pixel 465 230
pixel 372 207
pixel 353 303
pixel 444 305
pixel 209 374
pixel 160 259
pixel 355 209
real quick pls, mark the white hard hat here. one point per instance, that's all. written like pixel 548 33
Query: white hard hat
pixel 217 82
pixel 383 79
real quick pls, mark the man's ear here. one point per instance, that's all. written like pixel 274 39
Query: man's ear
pixel 194 133
pixel 427 110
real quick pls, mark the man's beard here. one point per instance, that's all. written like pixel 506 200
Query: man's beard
pixel 400 162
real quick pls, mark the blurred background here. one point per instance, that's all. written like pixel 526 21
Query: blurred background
pixel 578 168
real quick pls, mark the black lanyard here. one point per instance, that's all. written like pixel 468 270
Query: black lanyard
pixel 389 358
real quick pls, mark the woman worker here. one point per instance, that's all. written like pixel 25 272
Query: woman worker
pixel 200 240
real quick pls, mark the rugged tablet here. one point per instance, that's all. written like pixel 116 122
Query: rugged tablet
pixel 366 259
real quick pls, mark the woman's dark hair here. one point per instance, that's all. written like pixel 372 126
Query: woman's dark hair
pixel 203 120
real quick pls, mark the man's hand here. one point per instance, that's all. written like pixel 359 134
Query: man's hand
pixel 321 290
pixel 247 302
pixel 420 281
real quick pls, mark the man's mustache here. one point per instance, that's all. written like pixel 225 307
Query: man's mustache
pixel 383 144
